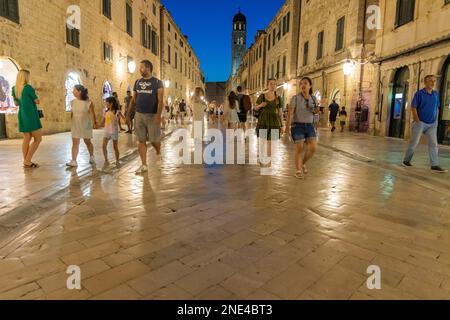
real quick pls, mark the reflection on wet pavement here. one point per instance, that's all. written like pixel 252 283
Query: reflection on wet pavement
pixel 227 232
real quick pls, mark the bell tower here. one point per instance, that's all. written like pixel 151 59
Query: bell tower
pixel 239 38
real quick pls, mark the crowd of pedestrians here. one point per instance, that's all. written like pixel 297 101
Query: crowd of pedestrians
pixel 146 113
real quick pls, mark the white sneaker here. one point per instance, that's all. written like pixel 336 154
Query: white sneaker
pixel 72 164
pixel 142 169
pixel 91 160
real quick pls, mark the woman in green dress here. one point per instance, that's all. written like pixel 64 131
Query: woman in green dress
pixel 29 123
pixel 269 120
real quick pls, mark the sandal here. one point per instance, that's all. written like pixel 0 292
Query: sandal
pixel 299 175
pixel 31 166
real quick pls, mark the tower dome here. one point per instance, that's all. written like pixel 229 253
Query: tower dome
pixel 239 17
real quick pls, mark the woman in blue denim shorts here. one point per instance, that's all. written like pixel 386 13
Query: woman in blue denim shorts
pixel 302 109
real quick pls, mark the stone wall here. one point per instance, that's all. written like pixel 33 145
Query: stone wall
pixel 39 44
pixel 253 72
pixel 184 75
pixel 327 71
pixel 421 45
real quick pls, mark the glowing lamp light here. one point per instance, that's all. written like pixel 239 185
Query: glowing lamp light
pixel 348 68
pixel 131 66
pixel 120 68
pixel 167 83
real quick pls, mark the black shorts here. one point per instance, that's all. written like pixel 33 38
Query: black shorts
pixel 242 117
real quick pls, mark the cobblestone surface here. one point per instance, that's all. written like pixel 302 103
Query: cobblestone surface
pixel 226 231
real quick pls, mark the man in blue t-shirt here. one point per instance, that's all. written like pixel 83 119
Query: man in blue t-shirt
pixel 148 101
pixel 425 113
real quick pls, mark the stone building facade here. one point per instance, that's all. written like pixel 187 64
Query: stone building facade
pixel 216 91
pixel 102 52
pixel 372 54
pixel 180 70
pixel 273 54
pixel 256 65
pixel 414 41
pixel 334 34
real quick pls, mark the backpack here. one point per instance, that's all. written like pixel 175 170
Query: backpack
pixel 246 103
pixel 314 99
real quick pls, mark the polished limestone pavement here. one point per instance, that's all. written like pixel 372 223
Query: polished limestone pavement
pixel 228 232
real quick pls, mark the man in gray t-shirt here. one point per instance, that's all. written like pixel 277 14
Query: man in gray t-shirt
pixel 148 101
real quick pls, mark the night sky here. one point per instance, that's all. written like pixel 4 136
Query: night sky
pixel 208 25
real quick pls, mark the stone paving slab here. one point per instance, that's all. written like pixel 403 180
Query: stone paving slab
pixel 27 194
pixel 227 232
pixel 388 152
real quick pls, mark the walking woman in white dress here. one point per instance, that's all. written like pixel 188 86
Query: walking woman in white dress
pixel 83 123
pixel 231 111
pixel 198 109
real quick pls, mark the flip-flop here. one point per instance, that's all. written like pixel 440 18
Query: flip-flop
pixel 31 166
pixel 300 175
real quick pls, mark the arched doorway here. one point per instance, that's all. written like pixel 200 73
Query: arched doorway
pixel 72 80
pixel 107 90
pixel 444 114
pixel 399 102
pixel 336 96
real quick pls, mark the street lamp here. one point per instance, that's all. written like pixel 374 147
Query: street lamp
pixel 286 86
pixel 167 84
pixel 131 66
pixel 349 67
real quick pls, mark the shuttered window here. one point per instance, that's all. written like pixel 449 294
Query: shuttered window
pixel 129 14
pixel 340 30
pixel 305 53
pixel 10 10
pixel 107 8
pixel 154 42
pixel 73 36
pixel 107 52
pixel 405 12
pixel 320 45
pixel 144 33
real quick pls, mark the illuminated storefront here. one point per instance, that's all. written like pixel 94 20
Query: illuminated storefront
pixel 107 90
pixel 8 74
pixel 444 118
pixel 399 104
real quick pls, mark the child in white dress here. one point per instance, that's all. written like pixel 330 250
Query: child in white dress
pixel 111 119
pixel 83 124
